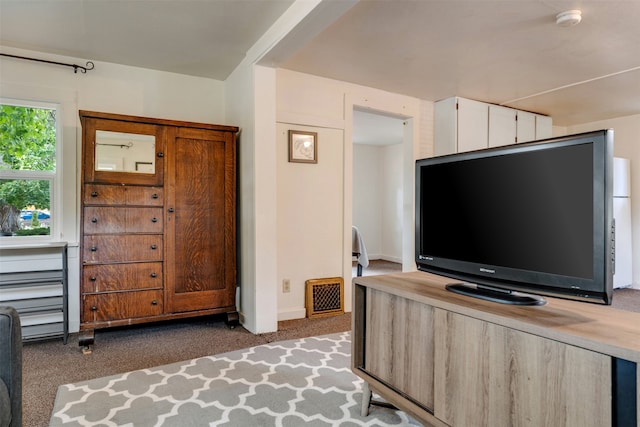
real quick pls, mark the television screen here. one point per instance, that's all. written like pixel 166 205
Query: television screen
pixel 533 218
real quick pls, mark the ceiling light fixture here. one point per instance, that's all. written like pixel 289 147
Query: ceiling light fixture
pixel 569 18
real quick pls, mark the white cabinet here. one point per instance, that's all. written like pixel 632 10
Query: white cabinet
pixel 532 127
pixel 544 127
pixel 33 280
pixel 502 126
pixel 449 114
pixel 526 128
pixel 464 125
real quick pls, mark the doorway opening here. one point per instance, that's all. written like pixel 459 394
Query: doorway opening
pixel 378 184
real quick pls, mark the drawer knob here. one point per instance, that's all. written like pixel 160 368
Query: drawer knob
pixel 154 219
pixel 94 308
pixel 161 154
pixel 93 249
pixel 93 278
pixel 94 220
pixel 154 275
pixel 154 302
pixel 171 210
pixel 154 196
pixel 94 194
pixel 154 247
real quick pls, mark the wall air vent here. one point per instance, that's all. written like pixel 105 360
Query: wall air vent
pixel 325 297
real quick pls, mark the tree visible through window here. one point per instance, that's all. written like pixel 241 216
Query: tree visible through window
pixel 27 169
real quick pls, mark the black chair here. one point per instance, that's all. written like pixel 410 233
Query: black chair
pixel 10 368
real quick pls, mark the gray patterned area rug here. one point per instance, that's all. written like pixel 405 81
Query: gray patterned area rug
pixel 305 382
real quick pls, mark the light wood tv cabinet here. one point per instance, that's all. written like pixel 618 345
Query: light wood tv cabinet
pixel 452 360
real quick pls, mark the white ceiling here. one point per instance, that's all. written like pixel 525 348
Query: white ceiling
pixel 205 38
pixel 506 52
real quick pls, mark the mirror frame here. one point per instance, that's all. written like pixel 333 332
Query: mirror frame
pixel 91 125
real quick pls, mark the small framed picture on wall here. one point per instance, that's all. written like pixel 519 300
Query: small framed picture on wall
pixel 303 146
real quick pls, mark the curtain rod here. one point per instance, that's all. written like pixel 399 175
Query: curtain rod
pixel 83 70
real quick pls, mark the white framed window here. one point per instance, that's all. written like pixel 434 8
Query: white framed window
pixel 30 147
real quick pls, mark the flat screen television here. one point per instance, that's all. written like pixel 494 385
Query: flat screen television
pixel 518 222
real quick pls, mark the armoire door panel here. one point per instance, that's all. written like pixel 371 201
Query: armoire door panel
pixel 200 222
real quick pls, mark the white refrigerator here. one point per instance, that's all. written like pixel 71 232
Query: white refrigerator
pixel 622 214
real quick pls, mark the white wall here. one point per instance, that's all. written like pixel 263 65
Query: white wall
pixel 392 202
pixel 310 207
pixel 627 145
pixel 108 88
pixel 259 96
pixel 367 197
pixel 377 199
pixel 325 105
pixel 252 107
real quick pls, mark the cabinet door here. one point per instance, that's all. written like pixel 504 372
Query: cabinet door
pixel 400 352
pixel 200 220
pixel 445 133
pixel 502 126
pixel 526 126
pixel 544 127
pixel 473 125
pixel 490 375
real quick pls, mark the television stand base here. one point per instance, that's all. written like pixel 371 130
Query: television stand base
pixel 495 295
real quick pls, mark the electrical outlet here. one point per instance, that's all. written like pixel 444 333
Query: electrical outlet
pixel 286 285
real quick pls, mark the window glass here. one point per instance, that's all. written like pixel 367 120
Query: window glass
pixel 28 143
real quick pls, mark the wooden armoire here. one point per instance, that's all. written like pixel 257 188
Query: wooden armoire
pixel 158 221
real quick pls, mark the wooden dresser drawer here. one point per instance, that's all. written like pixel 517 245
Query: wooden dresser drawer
pixel 121 277
pixel 103 219
pixel 132 248
pixel 131 195
pixel 121 305
pixel 144 196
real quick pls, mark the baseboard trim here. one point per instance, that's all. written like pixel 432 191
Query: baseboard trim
pixel 296 313
pixel 390 259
